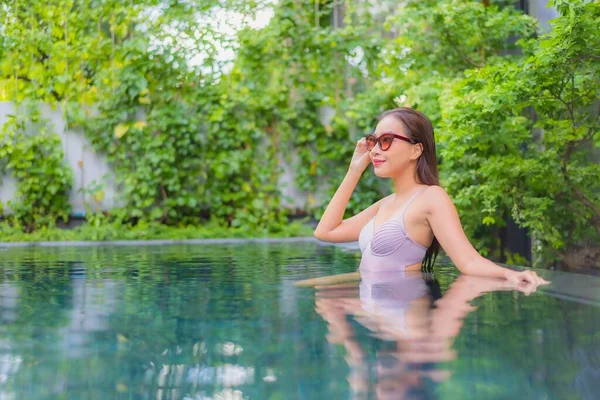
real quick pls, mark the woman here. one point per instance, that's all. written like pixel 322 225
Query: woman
pixel 404 231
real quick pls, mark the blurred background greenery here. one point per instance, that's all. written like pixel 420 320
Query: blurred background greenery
pixel 199 107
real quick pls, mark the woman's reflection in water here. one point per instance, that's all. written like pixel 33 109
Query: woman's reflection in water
pixel 416 323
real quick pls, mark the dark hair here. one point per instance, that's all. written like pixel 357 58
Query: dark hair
pixel 420 130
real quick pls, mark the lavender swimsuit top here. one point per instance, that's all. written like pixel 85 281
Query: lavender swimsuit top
pixel 389 248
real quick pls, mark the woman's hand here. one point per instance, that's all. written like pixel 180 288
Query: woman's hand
pixel 527 276
pixel 475 286
pixel 360 159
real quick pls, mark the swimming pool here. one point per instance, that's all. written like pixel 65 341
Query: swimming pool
pixel 215 320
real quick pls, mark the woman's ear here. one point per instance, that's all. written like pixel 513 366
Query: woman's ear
pixel 417 151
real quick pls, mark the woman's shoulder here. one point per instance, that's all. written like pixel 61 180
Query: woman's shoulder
pixel 435 190
pixel 434 196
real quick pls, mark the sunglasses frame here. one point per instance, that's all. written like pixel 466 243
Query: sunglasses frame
pixel 378 140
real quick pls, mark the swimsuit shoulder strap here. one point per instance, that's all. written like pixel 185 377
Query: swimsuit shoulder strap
pixel 414 196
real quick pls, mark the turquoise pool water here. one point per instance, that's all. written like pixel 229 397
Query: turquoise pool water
pixel 215 321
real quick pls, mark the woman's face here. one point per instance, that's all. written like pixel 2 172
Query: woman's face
pixel 396 159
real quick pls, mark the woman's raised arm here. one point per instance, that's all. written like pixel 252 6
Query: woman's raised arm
pixel 332 227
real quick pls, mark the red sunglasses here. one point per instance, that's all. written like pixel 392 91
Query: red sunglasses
pixel 385 140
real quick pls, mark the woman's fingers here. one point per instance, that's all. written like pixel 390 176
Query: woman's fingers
pixel 535 278
pixel 361 145
pixel 527 281
pixel 360 158
pixel 527 288
pixel 529 276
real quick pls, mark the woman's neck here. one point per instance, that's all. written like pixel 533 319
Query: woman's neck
pixel 406 183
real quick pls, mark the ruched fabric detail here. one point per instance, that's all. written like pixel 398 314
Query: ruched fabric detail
pixel 388 238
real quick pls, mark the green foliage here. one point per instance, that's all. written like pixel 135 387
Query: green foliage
pixel 177 144
pixel 33 155
pixel 193 138
pixel 543 112
pixel 436 41
pixel 295 68
pixel 103 229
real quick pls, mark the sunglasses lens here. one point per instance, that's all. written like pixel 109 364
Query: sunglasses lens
pixel 371 142
pixel 385 142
